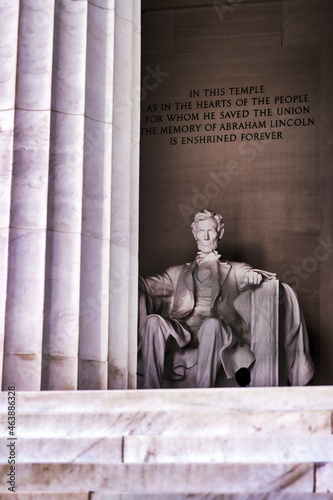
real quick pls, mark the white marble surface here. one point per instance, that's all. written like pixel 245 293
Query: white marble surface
pixel 94 299
pixel 30 169
pixel 165 496
pixel 46 495
pixel 137 18
pixel 193 448
pixel 111 421
pixel 24 310
pixel 92 374
pixel 119 289
pixel 69 164
pixel 81 450
pixel 4 236
pixel 100 57
pixel 102 197
pixel 6 160
pixel 63 270
pixel 211 496
pixel 66 173
pixel 104 4
pixel 123 77
pixel 166 478
pixel 97 186
pixel 124 10
pixel 9 12
pixel 258 399
pixel 132 317
pixel 124 203
pixel 324 478
pixel 136 91
pixel 35 55
pixel 180 449
pixel 22 370
pixel 24 314
pixel 6 157
pixel 70 46
pixel 59 373
pixel 140 413
pixel 61 324
pixel 118 441
pixel 264 334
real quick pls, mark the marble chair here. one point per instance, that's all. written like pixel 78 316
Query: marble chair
pixel 273 325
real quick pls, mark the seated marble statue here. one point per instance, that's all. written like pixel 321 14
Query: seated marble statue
pixel 192 317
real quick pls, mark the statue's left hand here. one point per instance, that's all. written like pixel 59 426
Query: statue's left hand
pixel 252 278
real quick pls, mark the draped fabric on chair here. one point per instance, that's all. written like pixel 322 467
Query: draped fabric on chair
pixel 69 112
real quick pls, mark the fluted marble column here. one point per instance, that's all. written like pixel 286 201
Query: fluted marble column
pixel 29 190
pixel 69 193
pixel 97 191
pixel 123 271
pixel 62 291
pixel 9 13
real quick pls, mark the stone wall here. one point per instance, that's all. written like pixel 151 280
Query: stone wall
pixel 236 117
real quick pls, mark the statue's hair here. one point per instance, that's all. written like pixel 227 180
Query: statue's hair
pixel 207 214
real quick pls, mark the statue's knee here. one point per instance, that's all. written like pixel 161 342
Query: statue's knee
pixel 154 331
pixel 154 325
pixel 211 324
pixel 153 321
pixel 210 329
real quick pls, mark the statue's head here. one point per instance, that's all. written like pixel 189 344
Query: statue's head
pixel 207 229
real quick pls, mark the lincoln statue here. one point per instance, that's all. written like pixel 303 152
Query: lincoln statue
pixel 193 307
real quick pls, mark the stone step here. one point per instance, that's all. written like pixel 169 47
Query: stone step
pixel 213 441
pixel 183 400
pixel 142 422
pixel 167 496
pixel 212 496
pixel 165 478
pixel 210 412
pixel 45 495
pixel 207 496
pixel 166 449
pixel 231 449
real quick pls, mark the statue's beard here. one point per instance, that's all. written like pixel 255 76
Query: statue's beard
pixel 210 246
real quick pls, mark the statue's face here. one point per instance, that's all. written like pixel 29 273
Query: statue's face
pixel 206 235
